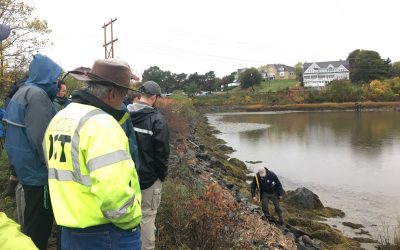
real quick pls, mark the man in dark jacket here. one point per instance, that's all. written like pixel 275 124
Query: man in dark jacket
pixel 269 188
pixel 61 101
pixel 153 140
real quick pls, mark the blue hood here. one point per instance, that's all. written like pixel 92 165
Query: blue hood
pixel 44 72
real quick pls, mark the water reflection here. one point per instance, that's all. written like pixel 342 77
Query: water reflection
pixel 366 132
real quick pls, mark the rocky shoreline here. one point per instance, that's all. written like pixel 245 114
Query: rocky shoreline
pixel 304 211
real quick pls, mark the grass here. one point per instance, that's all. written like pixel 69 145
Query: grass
pixel 268 86
pixel 276 85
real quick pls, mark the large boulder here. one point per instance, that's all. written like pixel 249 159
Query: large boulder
pixel 303 198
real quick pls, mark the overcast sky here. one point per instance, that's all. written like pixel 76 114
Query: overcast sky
pixel 199 36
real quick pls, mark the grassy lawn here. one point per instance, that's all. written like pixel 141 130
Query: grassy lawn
pixel 275 85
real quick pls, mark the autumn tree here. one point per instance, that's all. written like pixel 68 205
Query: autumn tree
pixel 28 34
pixel 249 78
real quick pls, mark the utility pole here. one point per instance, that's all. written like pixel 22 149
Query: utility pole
pixel 109 52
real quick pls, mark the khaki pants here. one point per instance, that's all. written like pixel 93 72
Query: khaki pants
pixel 151 198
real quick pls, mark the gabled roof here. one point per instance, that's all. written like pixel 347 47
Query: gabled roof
pixel 277 66
pixel 326 64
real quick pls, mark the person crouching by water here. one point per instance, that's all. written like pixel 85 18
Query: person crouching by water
pixel 269 188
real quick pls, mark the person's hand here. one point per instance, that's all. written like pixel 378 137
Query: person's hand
pixel 254 199
pixel 279 198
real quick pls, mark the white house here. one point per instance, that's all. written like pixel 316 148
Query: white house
pixel 318 74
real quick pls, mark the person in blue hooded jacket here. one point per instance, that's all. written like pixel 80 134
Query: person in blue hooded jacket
pixel 28 114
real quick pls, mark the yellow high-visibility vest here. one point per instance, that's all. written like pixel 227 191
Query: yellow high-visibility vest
pixel 92 178
pixel 11 237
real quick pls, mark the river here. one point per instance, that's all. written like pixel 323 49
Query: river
pixel 351 160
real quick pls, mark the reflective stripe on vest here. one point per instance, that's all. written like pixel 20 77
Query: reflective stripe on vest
pixel 143 131
pixel 107 159
pixel 66 175
pixel 75 145
pixel 115 214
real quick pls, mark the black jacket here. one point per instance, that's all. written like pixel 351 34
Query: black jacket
pixel 153 140
pixel 269 184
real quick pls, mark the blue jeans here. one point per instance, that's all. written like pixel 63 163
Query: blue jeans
pixel 105 236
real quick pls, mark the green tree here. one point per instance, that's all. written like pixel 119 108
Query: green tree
pixel 210 81
pixel 154 73
pixel 368 65
pixel 28 34
pixel 396 68
pixel 191 89
pixel 351 58
pixel 388 67
pixel 249 78
pixel 298 70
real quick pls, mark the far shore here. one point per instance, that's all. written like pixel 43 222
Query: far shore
pixel 356 106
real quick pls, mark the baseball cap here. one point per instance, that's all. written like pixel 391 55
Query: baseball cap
pixel 151 88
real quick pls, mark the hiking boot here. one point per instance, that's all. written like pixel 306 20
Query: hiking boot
pixel 10 189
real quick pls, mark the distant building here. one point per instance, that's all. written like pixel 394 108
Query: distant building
pixel 237 75
pixel 277 71
pixel 318 74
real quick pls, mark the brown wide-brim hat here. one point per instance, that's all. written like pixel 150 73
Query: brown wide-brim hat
pixel 111 72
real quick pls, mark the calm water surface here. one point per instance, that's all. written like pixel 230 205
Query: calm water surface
pixel 351 160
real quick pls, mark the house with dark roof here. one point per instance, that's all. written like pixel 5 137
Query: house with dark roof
pixel 318 74
pixel 277 71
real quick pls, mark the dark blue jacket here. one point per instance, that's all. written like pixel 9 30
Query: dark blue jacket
pixel 28 114
pixel 2 129
pixel 269 184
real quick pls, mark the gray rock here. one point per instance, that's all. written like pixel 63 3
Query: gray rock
pixel 290 235
pixel 237 163
pixel 224 147
pixel 244 200
pixel 254 208
pixel 230 185
pixel 203 156
pixel 303 198
pixel 216 163
pixel 306 240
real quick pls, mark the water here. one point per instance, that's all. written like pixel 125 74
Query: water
pixel 350 159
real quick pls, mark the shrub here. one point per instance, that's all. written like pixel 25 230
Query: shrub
pixel 315 96
pixel 196 219
pixel 340 91
pixel 377 91
pixel 212 224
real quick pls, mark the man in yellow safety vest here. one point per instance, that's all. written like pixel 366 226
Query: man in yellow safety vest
pixel 94 186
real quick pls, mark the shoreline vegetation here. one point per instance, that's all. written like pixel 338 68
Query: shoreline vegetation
pixel 350 106
pixel 206 202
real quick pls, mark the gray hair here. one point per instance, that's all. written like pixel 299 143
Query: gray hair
pixel 100 91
